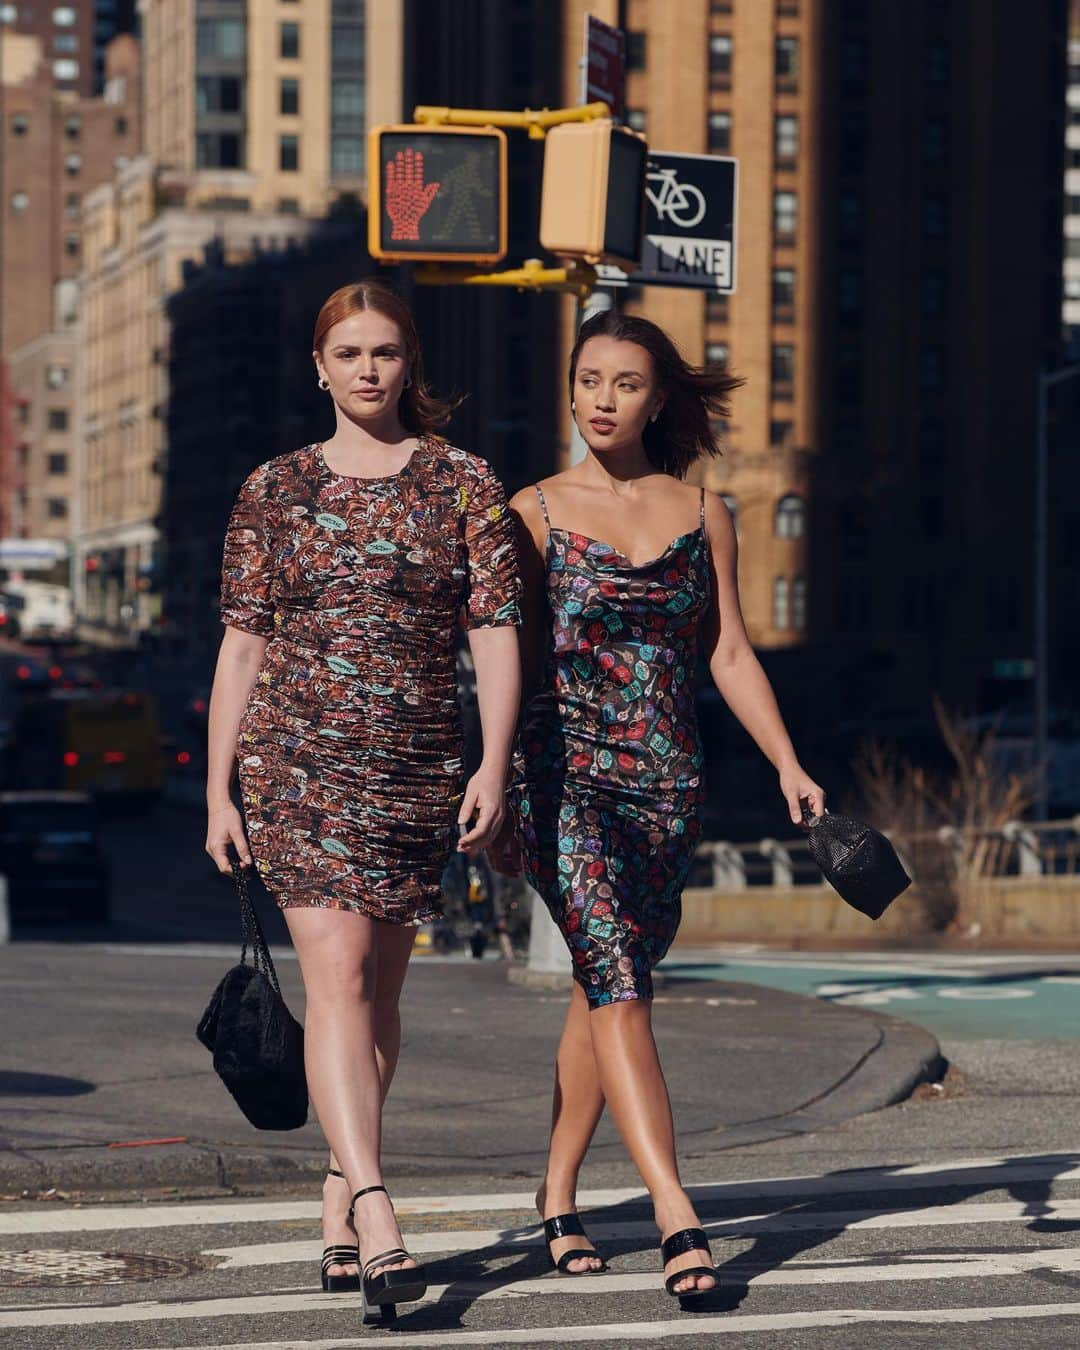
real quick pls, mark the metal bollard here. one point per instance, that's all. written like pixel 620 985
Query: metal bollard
pixel 728 867
pixel 1029 858
pixel 783 872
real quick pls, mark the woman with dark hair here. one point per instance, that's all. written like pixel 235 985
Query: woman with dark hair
pixel 347 567
pixel 627 569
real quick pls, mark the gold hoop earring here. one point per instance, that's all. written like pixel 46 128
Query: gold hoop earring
pixel 655 415
pixel 323 383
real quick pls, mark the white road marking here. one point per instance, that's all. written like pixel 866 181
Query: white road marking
pixel 987 1265
pixel 723 1325
pixel 961 1172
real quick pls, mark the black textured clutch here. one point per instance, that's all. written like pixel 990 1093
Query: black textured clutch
pixel 257 1044
pixel 858 862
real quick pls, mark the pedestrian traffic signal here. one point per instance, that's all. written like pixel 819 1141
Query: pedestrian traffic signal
pixel 437 194
pixel 593 199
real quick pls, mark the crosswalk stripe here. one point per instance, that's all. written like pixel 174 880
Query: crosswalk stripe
pixel 962 1172
pixel 915 1269
pixel 724 1324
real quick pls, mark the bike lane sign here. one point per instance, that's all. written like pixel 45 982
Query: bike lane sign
pixel 690 211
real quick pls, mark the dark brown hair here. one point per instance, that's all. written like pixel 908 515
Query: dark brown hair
pixel 694 395
pixel 419 409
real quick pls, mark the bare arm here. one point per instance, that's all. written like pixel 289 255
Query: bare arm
pixel 531 536
pixel 498 695
pixel 238 666
pixel 737 672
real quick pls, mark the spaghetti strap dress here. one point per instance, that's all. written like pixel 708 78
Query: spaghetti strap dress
pixel 608 787
pixel 350 746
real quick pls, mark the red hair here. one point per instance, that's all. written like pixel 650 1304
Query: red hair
pixel 419 409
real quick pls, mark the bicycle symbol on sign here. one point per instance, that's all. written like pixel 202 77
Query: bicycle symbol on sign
pixel 681 203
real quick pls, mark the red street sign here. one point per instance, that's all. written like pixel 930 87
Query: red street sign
pixel 605 66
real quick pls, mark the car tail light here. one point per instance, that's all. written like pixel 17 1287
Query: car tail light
pixel 113 757
pixel 183 757
pixel 71 758
pixel 22 672
pixel 55 672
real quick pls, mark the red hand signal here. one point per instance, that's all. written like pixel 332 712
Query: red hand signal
pixel 406 194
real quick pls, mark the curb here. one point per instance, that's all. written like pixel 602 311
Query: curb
pixel 901 1057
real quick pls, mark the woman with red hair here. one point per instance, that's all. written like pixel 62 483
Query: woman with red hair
pixel 347 567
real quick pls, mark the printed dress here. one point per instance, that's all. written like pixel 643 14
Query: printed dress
pixel 608 784
pixel 350 746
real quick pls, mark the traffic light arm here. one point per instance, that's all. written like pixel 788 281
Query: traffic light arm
pixel 536 123
pixel 577 278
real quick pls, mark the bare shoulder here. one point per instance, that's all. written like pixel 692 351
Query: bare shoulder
pixel 718 519
pixel 526 504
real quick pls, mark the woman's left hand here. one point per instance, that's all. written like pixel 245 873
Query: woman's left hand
pixel 485 797
pixel 798 787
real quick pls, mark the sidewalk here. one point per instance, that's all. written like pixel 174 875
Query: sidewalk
pixel 99 1050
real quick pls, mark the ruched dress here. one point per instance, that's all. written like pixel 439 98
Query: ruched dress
pixel 608 786
pixel 350 745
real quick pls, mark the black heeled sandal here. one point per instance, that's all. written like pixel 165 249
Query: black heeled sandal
pixel 381 1293
pixel 686 1240
pixel 339 1254
pixel 570 1225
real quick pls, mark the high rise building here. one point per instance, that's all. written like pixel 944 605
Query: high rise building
pixel 1070 308
pixel 67 39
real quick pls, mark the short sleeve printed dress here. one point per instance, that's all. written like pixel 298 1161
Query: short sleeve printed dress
pixel 350 746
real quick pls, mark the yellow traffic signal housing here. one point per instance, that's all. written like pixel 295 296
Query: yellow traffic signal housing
pixel 437 194
pixel 593 200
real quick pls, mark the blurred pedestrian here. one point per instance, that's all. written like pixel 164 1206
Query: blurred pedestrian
pixel 347 566
pixel 609 790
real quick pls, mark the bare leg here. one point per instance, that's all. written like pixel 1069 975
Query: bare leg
pixel 393 947
pixel 634 1088
pixel 338 953
pixel 576 1108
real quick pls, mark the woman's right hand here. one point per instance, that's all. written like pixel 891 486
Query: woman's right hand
pixel 224 827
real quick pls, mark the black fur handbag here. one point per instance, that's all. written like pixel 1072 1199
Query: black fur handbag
pixel 257 1044
pixel 857 861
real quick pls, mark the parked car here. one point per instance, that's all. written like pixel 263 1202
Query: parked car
pixel 51 855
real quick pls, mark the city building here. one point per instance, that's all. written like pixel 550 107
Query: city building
pixel 43 497
pixel 66 37
pixel 1070 307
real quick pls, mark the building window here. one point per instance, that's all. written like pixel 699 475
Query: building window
pixel 65 42
pixel 71 245
pixel 635 50
pixel 853 66
pixel 56 508
pixel 790 518
pixel 720 51
pixel 57 419
pixel 717 354
pixel 220 39
pixel 850 293
pixel 347 155
pixel 851 215
pixel 219 94
pixel 63 16
pixel 20 124
pixel 852 142
pixel 120 126
pixel 347 44
pixel 72 127
pixel 798 604
pixel 787 63
pixel 784 216
pixel 288 206
pixel 934 141
pixel 289 154
pixel 934 218
pixel 783 294
pixel 780 433
pixel 786 140
pixel 289 98
pixel 58 464
pixel 932 293
pixel 289 47
pixel 719 133
pixel 72 165
pixel 937 63
pixel 716 307
pixel 347 98
pixel 65 70
pixel 19 202
pixel 781 618
pixel 931 369
pixel 217 150
pixel 56 377
pixel 783 370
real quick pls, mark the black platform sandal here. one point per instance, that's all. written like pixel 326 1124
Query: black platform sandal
pixel 570 1225
pixel 381 1293
pixel 686 1240
pixel 340 1254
